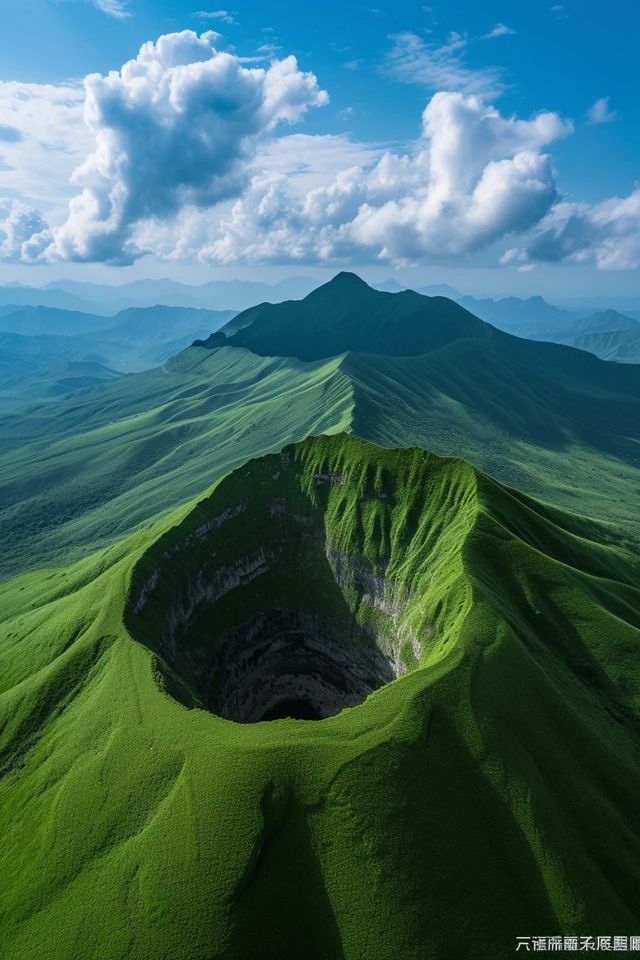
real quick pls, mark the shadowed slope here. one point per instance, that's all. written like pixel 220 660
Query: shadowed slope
pixel 346 314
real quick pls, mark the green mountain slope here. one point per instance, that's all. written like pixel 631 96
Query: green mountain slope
pixel 97 463
pixel 39 367
pixel 472 650
pixel 87 469
pixel 490 789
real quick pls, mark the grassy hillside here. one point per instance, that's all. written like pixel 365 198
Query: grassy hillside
pixel 491 789
pixel 83 471
pixel 548 419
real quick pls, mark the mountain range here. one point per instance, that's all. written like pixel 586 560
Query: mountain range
pixel 47 352
pixel 108 299
pixel 144 443
pixel 370 510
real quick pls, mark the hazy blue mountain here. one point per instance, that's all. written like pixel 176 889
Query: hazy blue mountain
pixel 533 318
pixel 608 321
pixel 430 290
pixel 629 305
pixel 213 295
pixel 18 296
pixel 37 364
pixel 621 346
pixel 40 320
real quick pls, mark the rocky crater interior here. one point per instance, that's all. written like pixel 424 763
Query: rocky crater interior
pixel 273 597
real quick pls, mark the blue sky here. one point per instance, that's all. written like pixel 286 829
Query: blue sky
pixel 565 221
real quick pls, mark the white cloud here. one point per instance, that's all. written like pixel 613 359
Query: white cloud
pixel 224 16
pixel 472 178
pixel 605 233
pixel 23 232
pixel 269 49
pixel 498 30
pixel 314 160
pixel 599 112
pixel 113 8
pixel 175 127
pixel 412 60
pixel 42 139
pixel 177 154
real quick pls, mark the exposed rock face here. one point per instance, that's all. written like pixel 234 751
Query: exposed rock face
pixel 279 594
pixel 286 656
pixel 316 662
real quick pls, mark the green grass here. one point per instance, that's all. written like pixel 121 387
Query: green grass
pixel 95 464
pixel 490 791
pixel 550 420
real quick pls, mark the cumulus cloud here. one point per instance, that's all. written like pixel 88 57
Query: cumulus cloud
pixel 23 232
pixel 177 154
pixel 599 112
pixel 474 177
pixel 176 126
pixel 605 233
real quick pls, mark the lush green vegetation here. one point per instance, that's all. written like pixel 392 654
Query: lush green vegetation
pixel 489 791
pixel 550 420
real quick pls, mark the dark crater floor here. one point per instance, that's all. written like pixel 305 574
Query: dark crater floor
pixel 255 613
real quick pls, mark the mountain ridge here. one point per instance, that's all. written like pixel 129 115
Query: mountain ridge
pixel 403 323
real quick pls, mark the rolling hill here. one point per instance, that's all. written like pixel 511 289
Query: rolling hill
pixel 489 789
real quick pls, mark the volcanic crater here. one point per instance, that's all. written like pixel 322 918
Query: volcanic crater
pixel 278 595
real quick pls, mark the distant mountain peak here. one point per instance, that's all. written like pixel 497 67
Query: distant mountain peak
pixel 345 280
pixel 346 315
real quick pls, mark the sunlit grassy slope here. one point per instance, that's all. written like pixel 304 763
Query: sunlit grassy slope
pixel 491 791
pixel 88 469
pixel 548 419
